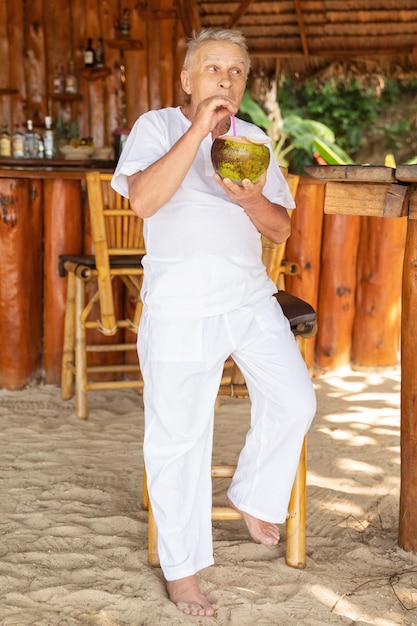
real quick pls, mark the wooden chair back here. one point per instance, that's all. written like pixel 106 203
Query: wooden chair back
pixel 117 234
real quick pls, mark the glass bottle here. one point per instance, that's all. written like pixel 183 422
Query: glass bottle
pixel 100 53
pixel 30 142
pixel 40 146
pixel 71 82
pixel 49 139
pixel 124 25
pixel 5 142
pixel 58 83
pixel 18 143
pixel 89 55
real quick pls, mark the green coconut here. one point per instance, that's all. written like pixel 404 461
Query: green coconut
pixel 237 158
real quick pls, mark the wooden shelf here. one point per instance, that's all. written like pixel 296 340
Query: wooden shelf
pixel 125 44
pixel 66 97
pixel 95 73
pixel 157 14
pixel 8 91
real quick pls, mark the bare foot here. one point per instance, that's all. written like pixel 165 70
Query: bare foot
pixel 260 531
pixel 185 593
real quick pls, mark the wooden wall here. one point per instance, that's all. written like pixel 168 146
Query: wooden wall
pixel 38 35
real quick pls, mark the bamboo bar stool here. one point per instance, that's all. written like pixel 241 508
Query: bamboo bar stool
pixel 117 235
pixel 303 321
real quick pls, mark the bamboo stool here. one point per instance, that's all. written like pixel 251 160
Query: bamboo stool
pixel 117 235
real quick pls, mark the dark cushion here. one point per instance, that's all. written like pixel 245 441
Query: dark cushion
pixel 300 314
pixel 89 261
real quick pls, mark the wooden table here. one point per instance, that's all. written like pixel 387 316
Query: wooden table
pixel 387 192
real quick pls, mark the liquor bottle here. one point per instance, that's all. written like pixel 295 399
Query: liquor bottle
pixel 71 82
pixel 5 142
pixel 18 143
pixel 40 146
pixel 30 142
pixel 100 53
pixel 89 55
pixel 58 83
pixel 124 25
pixel 49 139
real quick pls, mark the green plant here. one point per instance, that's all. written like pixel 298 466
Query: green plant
pixel 66 131
pixel 343 106
pixel 362 112
pixel 299 138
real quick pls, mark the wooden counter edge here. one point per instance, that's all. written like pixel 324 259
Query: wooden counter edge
pixel 352 173
pixel 44 170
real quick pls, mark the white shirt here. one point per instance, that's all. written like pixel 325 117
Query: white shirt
pixel 203 253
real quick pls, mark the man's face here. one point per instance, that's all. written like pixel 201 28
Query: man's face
pixel 216 69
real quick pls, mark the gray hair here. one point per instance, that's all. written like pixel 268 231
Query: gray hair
pixel 214 34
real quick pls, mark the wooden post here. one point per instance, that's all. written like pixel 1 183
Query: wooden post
pixel 336 307
pixel 377 324
pixel 20 282
pixel 407 536
pixel 304 245
pixel 63 235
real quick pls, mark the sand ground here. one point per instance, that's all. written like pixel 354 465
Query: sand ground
pixel 73 543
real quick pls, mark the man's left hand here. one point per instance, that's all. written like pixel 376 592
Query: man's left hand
pixel 246 194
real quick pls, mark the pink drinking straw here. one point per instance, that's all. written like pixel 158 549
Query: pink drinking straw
pixel 233 125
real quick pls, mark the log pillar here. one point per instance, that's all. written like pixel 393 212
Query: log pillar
pixel 304 248
pixel 407 535
pixel 336 306
pixel 377 325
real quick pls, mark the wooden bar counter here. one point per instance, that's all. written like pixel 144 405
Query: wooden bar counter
pixel 387 192
pixel 42 214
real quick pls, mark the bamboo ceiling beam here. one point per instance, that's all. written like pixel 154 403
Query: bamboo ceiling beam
pixel 301 27
pixel 189 16
pixel 296 54
pixel 241 10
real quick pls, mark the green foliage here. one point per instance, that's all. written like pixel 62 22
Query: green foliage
pixel 251 111
pixel 357 112
pixel 299 138
pixel 309 136
pixel 345 108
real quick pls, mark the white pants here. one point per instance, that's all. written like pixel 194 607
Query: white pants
pixel 182 363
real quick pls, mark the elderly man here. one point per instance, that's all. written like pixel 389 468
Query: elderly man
pixel 206 296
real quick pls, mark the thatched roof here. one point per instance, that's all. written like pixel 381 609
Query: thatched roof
pixel 303 36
